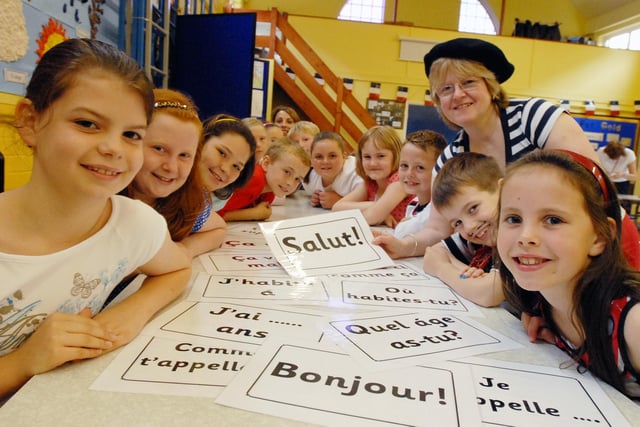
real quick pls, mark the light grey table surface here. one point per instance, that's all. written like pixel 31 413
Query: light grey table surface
pixel 62 397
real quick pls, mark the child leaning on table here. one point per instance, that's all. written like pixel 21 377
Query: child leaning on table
pixel 381 197
pixel 333 171
pixel 559 246
pixel 66 238
pixel 280 173
pixel 466 192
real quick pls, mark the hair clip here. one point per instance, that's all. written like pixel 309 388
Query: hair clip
pixel 171 104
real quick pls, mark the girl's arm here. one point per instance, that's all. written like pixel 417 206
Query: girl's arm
pixel 485 290
pixel 208 238
pixel 632 171
pixel 59 339
pixel 168 274
pixel 357 199
pixel 378 212
pixel 259 212
pixel 632 337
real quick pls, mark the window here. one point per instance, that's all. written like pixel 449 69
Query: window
pixel 363 10
pixel 629 40
pixel 475 19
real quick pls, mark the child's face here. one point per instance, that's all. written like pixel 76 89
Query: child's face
pixel 223 159
pixel 473 214
pixel 415 170
pixel 376 162
pixel 262 141
pixel 327 160
pixel 274 133
pixel 285 174
pixel 284 120
pixel 545 236
pixel 170 147
pixel 304 139
pixel 89 139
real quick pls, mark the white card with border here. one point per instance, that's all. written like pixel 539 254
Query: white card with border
pixel 324 244
pixel 314 384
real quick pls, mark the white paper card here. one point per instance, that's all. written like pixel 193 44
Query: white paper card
pixel 324 244
pixel 235 322
pixel 313 384
pixel 190 366
pixel 234 260
pixel 415 338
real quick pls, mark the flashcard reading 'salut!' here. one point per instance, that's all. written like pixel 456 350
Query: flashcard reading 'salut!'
pixel 329 243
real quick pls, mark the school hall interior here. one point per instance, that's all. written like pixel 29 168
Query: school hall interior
pixel 331 69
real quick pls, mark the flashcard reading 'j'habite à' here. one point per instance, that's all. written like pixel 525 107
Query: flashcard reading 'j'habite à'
pixel 324 244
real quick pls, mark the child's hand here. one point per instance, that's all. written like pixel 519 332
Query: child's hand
pixel 390 222
pixel 263 210
pixel 124 326
pixel 387 241
pixel 63 338
pixel 472 273
pixel 315 198
pixel 536 328
pixel 328 198
pixel 433 259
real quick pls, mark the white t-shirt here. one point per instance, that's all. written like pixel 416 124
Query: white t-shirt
pixel 346 181
pixel 413 221
pixel 77 277
pixel 621 164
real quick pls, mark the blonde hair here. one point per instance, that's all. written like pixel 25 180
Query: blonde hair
pixel 304 126
pixel 382 137
pixel 252 122
pixel 464 68
pixel 285 146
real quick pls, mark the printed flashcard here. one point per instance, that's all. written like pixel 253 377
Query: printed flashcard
pixel 233 260
pixel 398 272
pixel 511 394
pixel 415 338
pixel 249 229
pixel 245 243
pixel 280 289
pixel 328 243
pixel 190 366
pixel 408 295
pixel 313 384
pixel 234 322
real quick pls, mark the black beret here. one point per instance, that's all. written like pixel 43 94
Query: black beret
pixel 484 52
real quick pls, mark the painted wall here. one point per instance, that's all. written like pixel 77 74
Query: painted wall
pixel 443 15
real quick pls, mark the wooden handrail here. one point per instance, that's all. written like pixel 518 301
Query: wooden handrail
pixel 339 111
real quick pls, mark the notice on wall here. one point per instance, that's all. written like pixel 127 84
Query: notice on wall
pixel 529 395
pixel 324 244
pixel 189 366
pixel 249 324
pixel 312 384
pixel 415 338
pixel 243 287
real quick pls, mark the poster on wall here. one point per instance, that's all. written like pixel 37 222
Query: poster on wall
pixel 387 112
pixel 601 131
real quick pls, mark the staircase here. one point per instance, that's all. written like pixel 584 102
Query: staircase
pixel 330 106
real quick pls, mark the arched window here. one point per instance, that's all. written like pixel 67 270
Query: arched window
pixel 475 18
pixel 363 10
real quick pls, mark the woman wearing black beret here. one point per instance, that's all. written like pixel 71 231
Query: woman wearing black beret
pixel 465 76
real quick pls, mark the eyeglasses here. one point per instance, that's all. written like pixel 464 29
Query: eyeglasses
pixel 467 85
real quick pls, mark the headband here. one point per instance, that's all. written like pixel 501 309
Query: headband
pixel 592 167
pixel 173 104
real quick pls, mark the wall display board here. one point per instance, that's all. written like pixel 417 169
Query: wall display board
pixel 601 130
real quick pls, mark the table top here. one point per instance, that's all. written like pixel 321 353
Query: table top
pixel 62 397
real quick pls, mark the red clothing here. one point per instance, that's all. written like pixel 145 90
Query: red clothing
pixel 398 213
pixel 249 195
pixel 629 242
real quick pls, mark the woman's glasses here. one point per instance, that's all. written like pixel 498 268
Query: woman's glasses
pixel 467 85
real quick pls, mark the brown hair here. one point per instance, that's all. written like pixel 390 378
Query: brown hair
pixel 290 111
pixel 383 137
pixel 614 150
